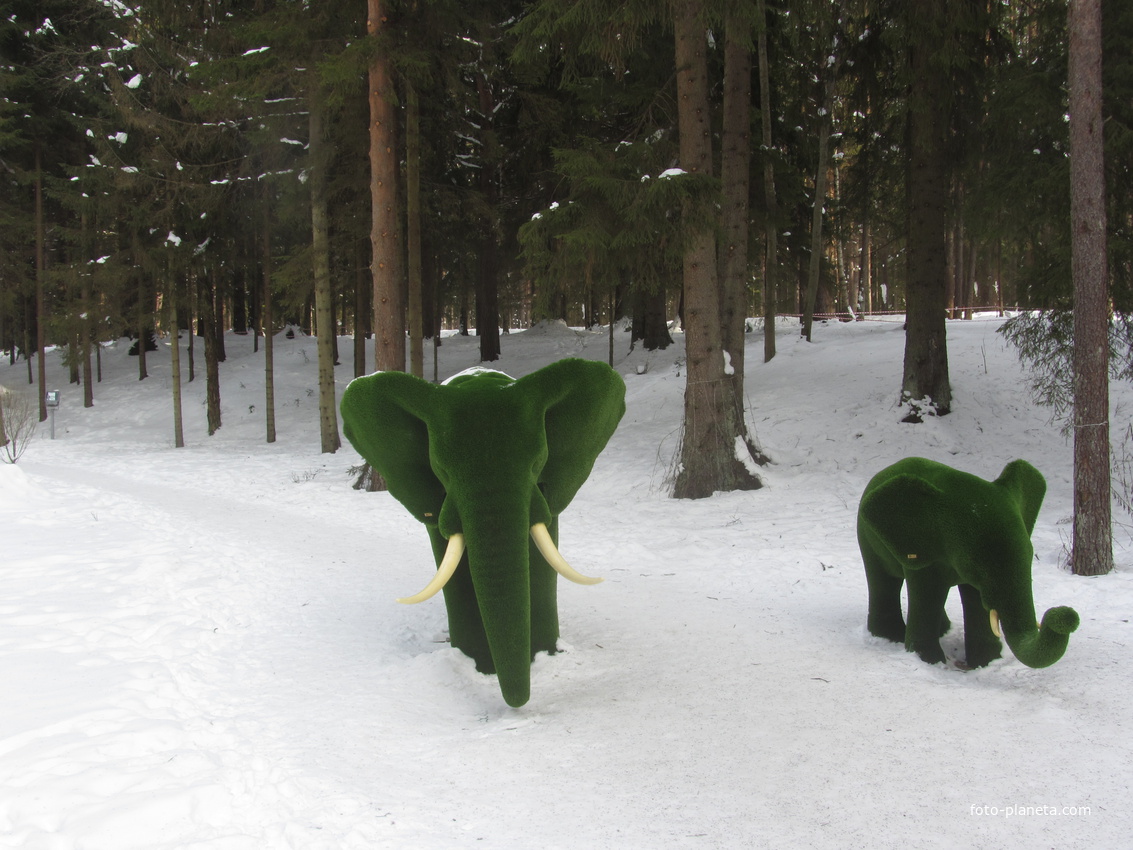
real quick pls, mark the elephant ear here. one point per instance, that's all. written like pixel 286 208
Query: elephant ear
pixel 385 418
pixel 908 513
pixel 1027 487
pixel 584 401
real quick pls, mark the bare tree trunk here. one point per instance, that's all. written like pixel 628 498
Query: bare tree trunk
pixel 1092 552
pixel 714 452
pixel 735 177
pixel 361 314
pixel 387 267
pixel 413 231
pixel 192 298
pixel 143 315
pixel 40 284
pixel 212 364
pixel 487 285
pixel 87 334
pixel 771 230
pixel 867 266
pixel 320 250
pixel 925 386
pixel 824 128
pixel 175 368
pixel 218 304
pixel 268 318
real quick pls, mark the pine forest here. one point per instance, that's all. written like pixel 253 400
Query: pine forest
pixel 390 169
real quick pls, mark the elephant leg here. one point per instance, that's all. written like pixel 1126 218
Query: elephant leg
pixel 945 623
pixel 927 595
pixel 465 623
pixel 981 646
pixel 884 619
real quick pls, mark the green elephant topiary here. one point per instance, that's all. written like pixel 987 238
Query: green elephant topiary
pixel 931 527
pixel 487 463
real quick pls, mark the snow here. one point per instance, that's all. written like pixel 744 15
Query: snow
pixel 743 455
pixel 200 647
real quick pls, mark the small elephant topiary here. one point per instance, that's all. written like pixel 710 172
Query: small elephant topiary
pixel 488 462
pixel 931 528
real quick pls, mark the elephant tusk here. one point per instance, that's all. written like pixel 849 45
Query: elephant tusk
pixel 444 571
pixel 995 623
pixel 550 552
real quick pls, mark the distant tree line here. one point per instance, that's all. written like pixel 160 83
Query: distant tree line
pixel 389 168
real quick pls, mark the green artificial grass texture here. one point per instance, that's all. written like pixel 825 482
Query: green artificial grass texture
pixel 930 527
pixel 487 456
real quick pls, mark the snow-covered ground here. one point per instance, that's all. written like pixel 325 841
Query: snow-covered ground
pixel 200 647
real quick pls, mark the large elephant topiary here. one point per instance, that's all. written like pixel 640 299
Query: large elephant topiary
pixel 487 463
pixel 931 527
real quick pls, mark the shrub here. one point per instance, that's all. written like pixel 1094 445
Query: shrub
pixel 18 421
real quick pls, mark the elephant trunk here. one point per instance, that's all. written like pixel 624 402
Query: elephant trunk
pixel 509 611
pixel 1038 645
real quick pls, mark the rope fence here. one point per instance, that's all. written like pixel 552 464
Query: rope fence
pixel 886 315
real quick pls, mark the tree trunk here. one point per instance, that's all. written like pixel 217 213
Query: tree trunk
pixel 487 284
pixel 192 297
pixel 320 250
pixel 88 336
pixel 143 318
pixel 40 285
pixel 212 364
pixel 714 452
pixel 771 206
pixel 413 231
pixel 650 322
pixel 218 304
pixel 175 369
pixel 73 354
pixel 387 267
pixel 1092 552
pixel 925 387
pixel 815 270
pixel 735 177
pixel 239 300
pixel 361 311
pixel 867 266
pixel 268 316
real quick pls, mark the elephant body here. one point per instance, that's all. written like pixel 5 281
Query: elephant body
pixel 489 460
pixel 929 527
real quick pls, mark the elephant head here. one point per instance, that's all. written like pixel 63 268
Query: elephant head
pixel 936 527
pixel 487 463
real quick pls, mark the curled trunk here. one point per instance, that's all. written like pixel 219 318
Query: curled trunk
pixel 1040 645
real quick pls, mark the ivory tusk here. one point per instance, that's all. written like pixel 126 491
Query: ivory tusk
pixel 995 623
pixel 444 571
pixel 550 552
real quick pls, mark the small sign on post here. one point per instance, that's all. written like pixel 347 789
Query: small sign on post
pixel 52 403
